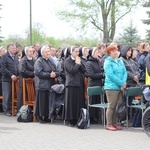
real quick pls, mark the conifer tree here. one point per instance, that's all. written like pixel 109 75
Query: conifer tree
pixel 129 36
pixel 147 21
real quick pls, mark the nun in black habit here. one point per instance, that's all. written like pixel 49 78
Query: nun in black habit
pixel 26 70
pixel 84 53
pixel 74 91
pixel 95 76
pixel 45 74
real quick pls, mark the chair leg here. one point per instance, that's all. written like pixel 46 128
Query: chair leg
pixel 127 117
pixel 34 118
pixel 131 111
pixel 13 111
pixel 104 118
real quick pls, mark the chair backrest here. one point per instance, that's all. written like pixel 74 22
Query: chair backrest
pixel 28 90
pixel 134 91
pixel 15 88
pixel 95 90
pixel 14 95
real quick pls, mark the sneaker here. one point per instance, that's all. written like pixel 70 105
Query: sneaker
pixel 117 127
pixel 112 128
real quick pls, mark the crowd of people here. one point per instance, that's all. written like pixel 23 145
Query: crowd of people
pixel 114 67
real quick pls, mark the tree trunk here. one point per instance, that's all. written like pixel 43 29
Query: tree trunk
pixel 105 28
pixel 113 24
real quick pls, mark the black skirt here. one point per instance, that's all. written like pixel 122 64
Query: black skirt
pixel 74 101
pixel 42 104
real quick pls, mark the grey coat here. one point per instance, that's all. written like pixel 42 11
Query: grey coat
pixel 42 69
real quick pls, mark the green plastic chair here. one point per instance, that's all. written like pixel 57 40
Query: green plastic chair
pixel 97 90
pixel 134 91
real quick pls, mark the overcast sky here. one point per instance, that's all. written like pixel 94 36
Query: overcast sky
pixel 15 18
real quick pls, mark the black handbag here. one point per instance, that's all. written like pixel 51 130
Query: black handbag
pixel 121 111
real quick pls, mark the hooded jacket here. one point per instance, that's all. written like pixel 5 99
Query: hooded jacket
pixel 115 74
pixel 131 66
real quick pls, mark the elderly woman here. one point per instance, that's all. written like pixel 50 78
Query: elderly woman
pixel 74 92
pixel 26 70
pixel 115 83
pixel 45 74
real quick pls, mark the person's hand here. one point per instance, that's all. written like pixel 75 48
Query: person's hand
pixel 78 60
pixel 52 74
pixel 136 79
pixel 123 87
pixel 13 77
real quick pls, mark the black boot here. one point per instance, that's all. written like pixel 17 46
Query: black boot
pixel 41 120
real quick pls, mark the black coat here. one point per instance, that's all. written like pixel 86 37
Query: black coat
pixel 9 67
pixel 94 72
pixel 132 70
pixel 142 65
pixel 131 66
pixel 74 73
pixel 42 69
pixel 83 61
pixel 61 69
pixel 26 70
pixel 26 67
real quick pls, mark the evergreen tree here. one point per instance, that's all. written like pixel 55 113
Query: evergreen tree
pixel 130 36
pixel 147 21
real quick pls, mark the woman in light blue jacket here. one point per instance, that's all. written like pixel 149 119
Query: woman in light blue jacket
pixel 115 83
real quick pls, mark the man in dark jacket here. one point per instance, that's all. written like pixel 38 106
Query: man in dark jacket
pixel 9 72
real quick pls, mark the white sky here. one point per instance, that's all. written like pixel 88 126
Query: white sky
pixel 15 18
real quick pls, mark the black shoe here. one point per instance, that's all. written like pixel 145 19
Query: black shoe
pixel 46 119
pixel 42 121
pixel 71 125
pixel 8 114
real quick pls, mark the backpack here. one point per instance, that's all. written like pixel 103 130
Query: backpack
pixel 25 114
pixel 84 119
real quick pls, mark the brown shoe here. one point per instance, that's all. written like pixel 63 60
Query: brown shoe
pixel 117 127
pixel 112 128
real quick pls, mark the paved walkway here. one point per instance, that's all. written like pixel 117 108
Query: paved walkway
pixel 56 136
